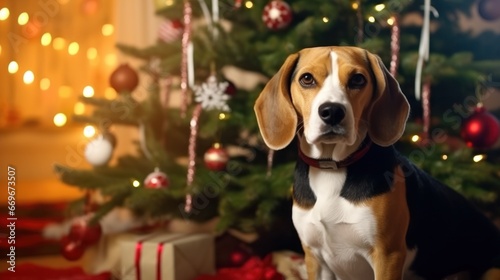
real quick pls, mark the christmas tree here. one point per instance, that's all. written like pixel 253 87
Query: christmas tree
pixel 205 158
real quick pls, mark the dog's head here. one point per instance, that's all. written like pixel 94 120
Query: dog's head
pixel 339 93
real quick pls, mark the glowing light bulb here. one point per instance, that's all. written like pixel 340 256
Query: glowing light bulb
pixel 355 6
pixel 73 48
pixel 444 157
pixel 28 77
pixel 23 18
pixel 13 67
pixel 415 138
pixel 91 53
pixel 390 21
pixel 60 119
pixel 46 39
pixel 44 84
pixel 371 19
pixel 110 59
pixel 79 108
pixel 325 19
pixel 478 158
pixel 248 4
pixel 379 7
pixel 89 131
pixel 65 91
pixel 88 91
pixel 222 116
pixel 109 93
pixel 107 29
pixel 136 184
pixel 58 43
pixel 4 13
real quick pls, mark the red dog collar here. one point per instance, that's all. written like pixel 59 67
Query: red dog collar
pixel 329 163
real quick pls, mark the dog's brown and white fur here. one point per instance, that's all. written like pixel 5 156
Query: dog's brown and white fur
pixel 351 225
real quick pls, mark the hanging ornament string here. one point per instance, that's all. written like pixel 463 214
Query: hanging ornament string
pixel 270 158
pixel 423 51
pixel 192 155
pixel 426 105
pixel 186 62
pixel 395 46
pixel 142 141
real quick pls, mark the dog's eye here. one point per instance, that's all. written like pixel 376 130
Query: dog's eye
pixel 357 81
pixel 307 80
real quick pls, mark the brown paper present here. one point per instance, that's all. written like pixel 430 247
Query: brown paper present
pixel 167 256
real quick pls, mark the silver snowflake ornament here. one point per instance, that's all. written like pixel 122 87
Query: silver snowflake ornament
pixel 211 95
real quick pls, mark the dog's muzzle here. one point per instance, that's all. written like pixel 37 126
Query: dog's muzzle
pixel 331 113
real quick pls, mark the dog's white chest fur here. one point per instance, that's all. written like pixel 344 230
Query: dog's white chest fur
pixel 338 232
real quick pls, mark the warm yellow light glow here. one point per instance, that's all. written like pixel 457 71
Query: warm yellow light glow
pixel 62 2
pixel 44 84
pixel 107 29
pixel 325 19
pixel 136 184
pixel 379 7
pixel 13 67
pixel 46 39
pixel 169 2
pixel 110 59
pixel 371 19
pixel 415 138
pixel 73 48
pixel 248 4
pixel 222 116
pixel 58 43
pixel 444 157
pixel 89 131
pixel 91 53
pixel 390 21
pixel 28 77
pixel 0 49
pixel 60 119
pixel 4 13
pixel 355 6
pixel 79 108
pixel 478 158
pixel 88 91
pixel 65 91
pixel 109 93
pixel 23 18
pixel 217 145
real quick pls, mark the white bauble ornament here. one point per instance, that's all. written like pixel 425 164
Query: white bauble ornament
pixel 98 151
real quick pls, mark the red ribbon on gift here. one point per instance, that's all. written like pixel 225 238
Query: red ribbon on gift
pixel 159 253
pixel 254 269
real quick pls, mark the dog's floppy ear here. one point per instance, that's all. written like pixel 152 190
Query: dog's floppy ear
pixel 390 108
pixel 275 113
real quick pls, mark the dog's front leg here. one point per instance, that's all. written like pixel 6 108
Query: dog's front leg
pixel 388 265
pixel 316 270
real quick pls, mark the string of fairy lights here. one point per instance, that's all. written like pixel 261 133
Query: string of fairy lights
pixel 73 48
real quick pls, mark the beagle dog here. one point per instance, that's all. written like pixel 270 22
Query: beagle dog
pixel 363 211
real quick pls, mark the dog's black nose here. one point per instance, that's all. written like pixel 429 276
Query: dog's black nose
pixel 331 113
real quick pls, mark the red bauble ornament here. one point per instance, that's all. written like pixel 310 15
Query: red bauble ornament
pixel 216 158
pixel 156 180
pixel 72 250
pixel 231 88
pixel 90 7
pixel 170 30
pixel 489 9
pixel 124 78
pixel 83 233
pixel 277 15
pixel 238 258
pixel 480 130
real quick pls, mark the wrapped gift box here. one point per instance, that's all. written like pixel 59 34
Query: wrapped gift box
pixel 167 256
